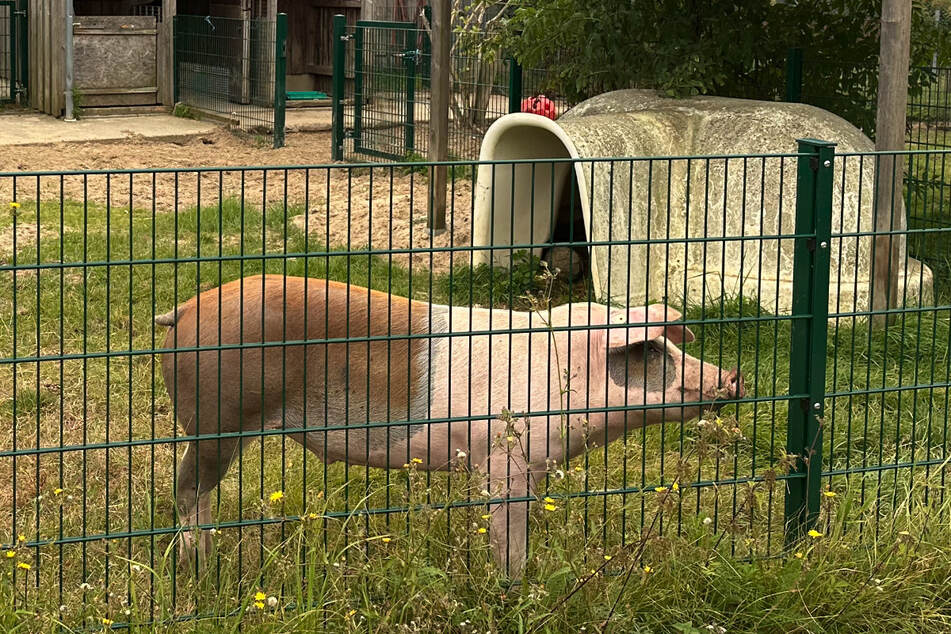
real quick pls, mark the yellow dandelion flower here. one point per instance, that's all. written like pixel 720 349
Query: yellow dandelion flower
pixel 23 565
pixel 660 489
pixel 259 596
pixel 829 494
pixel 675 486
pixel 579 468
pixel 386 540
pixel 14 205
pixel 107 622
pixel 416 461
pixel 21 538
pixel 11 554
pixel 312 516
pixel 814 534
pixel 551 507
pixel 57 491
pixel 351 613
pixel 648 570
pixel 799 555
pixel 277 496
pixel 481 530
pixel 406 465
pixel 487 516
pixel 549 500
pixel 259 605
pixel 607 558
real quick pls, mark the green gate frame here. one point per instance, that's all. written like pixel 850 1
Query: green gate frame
pixel 12 50
pixel 410 56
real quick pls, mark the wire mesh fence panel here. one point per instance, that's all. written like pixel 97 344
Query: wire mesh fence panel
pixel 385 112
pixel 888 370
pixel 260 379
pixel 226 67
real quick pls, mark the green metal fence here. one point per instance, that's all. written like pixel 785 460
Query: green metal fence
pixel 10 34
pixel 232 69
pixel 768 258
pixel 384 112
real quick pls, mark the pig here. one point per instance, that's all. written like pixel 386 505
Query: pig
pixel 452 384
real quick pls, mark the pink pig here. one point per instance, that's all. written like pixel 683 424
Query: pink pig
pixel 434 368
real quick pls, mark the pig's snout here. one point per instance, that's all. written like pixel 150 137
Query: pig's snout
pixel 731 387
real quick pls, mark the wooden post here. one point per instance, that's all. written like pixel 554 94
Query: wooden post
pixel 895 43
pixel 166 54
pixel 245 51
pixel 439 112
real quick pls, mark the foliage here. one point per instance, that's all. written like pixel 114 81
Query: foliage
pixel 737 49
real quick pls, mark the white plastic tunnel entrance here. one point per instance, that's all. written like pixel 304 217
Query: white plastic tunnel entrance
pixel 681 229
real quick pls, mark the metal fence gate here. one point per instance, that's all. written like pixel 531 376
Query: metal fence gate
pixel 234 69
pixel 381 92
pixel 12 50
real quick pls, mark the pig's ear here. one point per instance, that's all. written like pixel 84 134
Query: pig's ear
pixel 624 335
pixel 675 333
pixel 658 318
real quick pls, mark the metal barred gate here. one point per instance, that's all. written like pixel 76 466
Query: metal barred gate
pixel 381 96
pixel 12 51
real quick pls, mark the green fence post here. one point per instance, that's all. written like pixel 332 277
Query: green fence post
pixel 21 24
pixel 410 57
pixel 810 309
pixel 794 75
pixel 339 68
pixel 358 73
pixel 515 85
pixel 280 79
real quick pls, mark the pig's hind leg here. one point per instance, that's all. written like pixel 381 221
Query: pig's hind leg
pixel 202 467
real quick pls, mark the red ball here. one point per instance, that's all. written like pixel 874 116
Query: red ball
pixel 540 104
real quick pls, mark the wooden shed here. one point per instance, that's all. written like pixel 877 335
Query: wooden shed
pixel 123 49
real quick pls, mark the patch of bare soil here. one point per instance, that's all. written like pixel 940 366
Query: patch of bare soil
pixel 379 207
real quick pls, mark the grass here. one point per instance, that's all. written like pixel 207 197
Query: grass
pixel 354 549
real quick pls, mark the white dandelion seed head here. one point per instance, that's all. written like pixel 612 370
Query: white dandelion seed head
pixel 272 602
pixel 707 521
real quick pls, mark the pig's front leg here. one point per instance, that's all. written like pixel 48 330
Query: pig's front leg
pixel 509 477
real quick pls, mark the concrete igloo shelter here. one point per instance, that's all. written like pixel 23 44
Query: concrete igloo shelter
pixel 674 202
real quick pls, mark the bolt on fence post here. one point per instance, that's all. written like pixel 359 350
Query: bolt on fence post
pixel 794 75
pixel 810 310
pixel 515 85
pixel 280 79
pixel 339 64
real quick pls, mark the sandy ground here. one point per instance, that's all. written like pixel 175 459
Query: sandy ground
pixel 353 205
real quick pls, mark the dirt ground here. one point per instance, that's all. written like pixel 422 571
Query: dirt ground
pixel 351 205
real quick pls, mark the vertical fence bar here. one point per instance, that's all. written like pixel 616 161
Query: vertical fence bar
pixel 807 359
pixel 794 75
pixel 358 74
pixel 410 60
pixel 280 79
pixel 515 85
pixel 339 68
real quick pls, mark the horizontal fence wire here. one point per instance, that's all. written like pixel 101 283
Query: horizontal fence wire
pixel 375 390
pixel 225 67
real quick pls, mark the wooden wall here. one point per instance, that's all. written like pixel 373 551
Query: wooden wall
pixel 46 32
pixel 310 36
